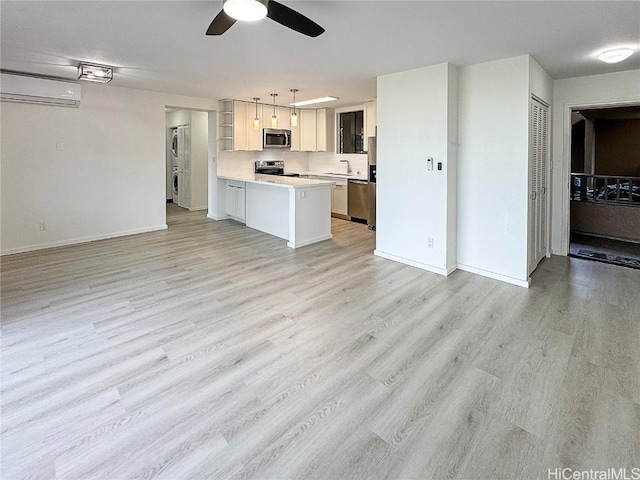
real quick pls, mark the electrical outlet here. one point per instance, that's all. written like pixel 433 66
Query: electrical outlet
pixel 429 242
pixel 42 226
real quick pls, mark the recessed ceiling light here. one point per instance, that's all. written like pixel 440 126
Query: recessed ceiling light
pixel 95 73
pixel 313 101
pixel 246 10
pixel 615 55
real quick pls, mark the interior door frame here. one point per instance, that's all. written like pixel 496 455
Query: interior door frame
pixel 565 219
pixel 212 150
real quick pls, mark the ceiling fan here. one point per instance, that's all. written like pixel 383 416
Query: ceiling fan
pixel 252 10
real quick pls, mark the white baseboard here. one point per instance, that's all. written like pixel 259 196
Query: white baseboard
pixel 496 276
pixel 413 263
pixel 310 241
pixel 216 218
pixel 197 209
pixel 75 241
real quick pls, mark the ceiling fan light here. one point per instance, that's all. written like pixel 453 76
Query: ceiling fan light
pixel 615 55
pixel 246 10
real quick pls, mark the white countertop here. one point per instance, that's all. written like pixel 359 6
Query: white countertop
pixel 336 175
pixel 278 181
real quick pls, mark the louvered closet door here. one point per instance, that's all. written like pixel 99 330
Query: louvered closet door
pixel 543 157
pixel 538 153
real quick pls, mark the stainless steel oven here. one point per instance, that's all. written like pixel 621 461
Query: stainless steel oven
pixel 272 167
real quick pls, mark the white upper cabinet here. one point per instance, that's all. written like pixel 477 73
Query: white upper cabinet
pixel 295 133
pixel 325 130
pixel 282 117
pixel 240 126
pixel 255 135
pixel 307 124
pixel 370 109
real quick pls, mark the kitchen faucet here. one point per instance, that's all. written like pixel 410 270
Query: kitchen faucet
pixel 348 166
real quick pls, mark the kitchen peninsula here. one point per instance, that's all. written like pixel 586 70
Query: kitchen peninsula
pixel 295 209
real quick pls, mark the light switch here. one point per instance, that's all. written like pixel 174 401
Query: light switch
pixel 429 163
pixel 59 146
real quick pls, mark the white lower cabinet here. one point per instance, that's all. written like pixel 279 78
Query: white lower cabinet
pixel 236 201
pixel 338 195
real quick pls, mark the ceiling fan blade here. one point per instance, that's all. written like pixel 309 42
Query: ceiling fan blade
pixel 292 19
pixel 220 24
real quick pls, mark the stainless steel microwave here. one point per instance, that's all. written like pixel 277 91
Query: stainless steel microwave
pixel 276 138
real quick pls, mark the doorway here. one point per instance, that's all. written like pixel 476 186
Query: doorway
pixel 604 211
pixel 191 145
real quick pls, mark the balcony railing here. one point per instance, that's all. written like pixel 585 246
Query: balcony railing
pixel 605 189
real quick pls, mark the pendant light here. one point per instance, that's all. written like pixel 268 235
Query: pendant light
pixel 256 120
pixel 274 119
pixel 294 115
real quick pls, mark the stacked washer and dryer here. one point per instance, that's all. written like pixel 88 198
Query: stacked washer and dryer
pixel 181 171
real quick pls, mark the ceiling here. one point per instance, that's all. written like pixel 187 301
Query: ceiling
pixel 161 45
pixel 617 113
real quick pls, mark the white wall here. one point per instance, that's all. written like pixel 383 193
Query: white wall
pixel 414 204
pixel 199 143
pixel 493 122
pixel 92 172
pixel 597 90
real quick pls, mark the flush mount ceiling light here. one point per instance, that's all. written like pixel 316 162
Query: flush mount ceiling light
pixel 314 101
pixel 245 10
pixel 95 73
pixel 615 55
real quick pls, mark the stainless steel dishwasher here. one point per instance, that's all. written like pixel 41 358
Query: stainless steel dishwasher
pixel 357 199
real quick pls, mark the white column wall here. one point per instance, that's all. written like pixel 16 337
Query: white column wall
pixel 413 203
pixel 493 125
pixel 613 89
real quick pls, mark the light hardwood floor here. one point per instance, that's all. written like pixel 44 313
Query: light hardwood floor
pixel 211 350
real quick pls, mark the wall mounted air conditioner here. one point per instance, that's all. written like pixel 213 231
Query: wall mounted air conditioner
pixel 41 91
